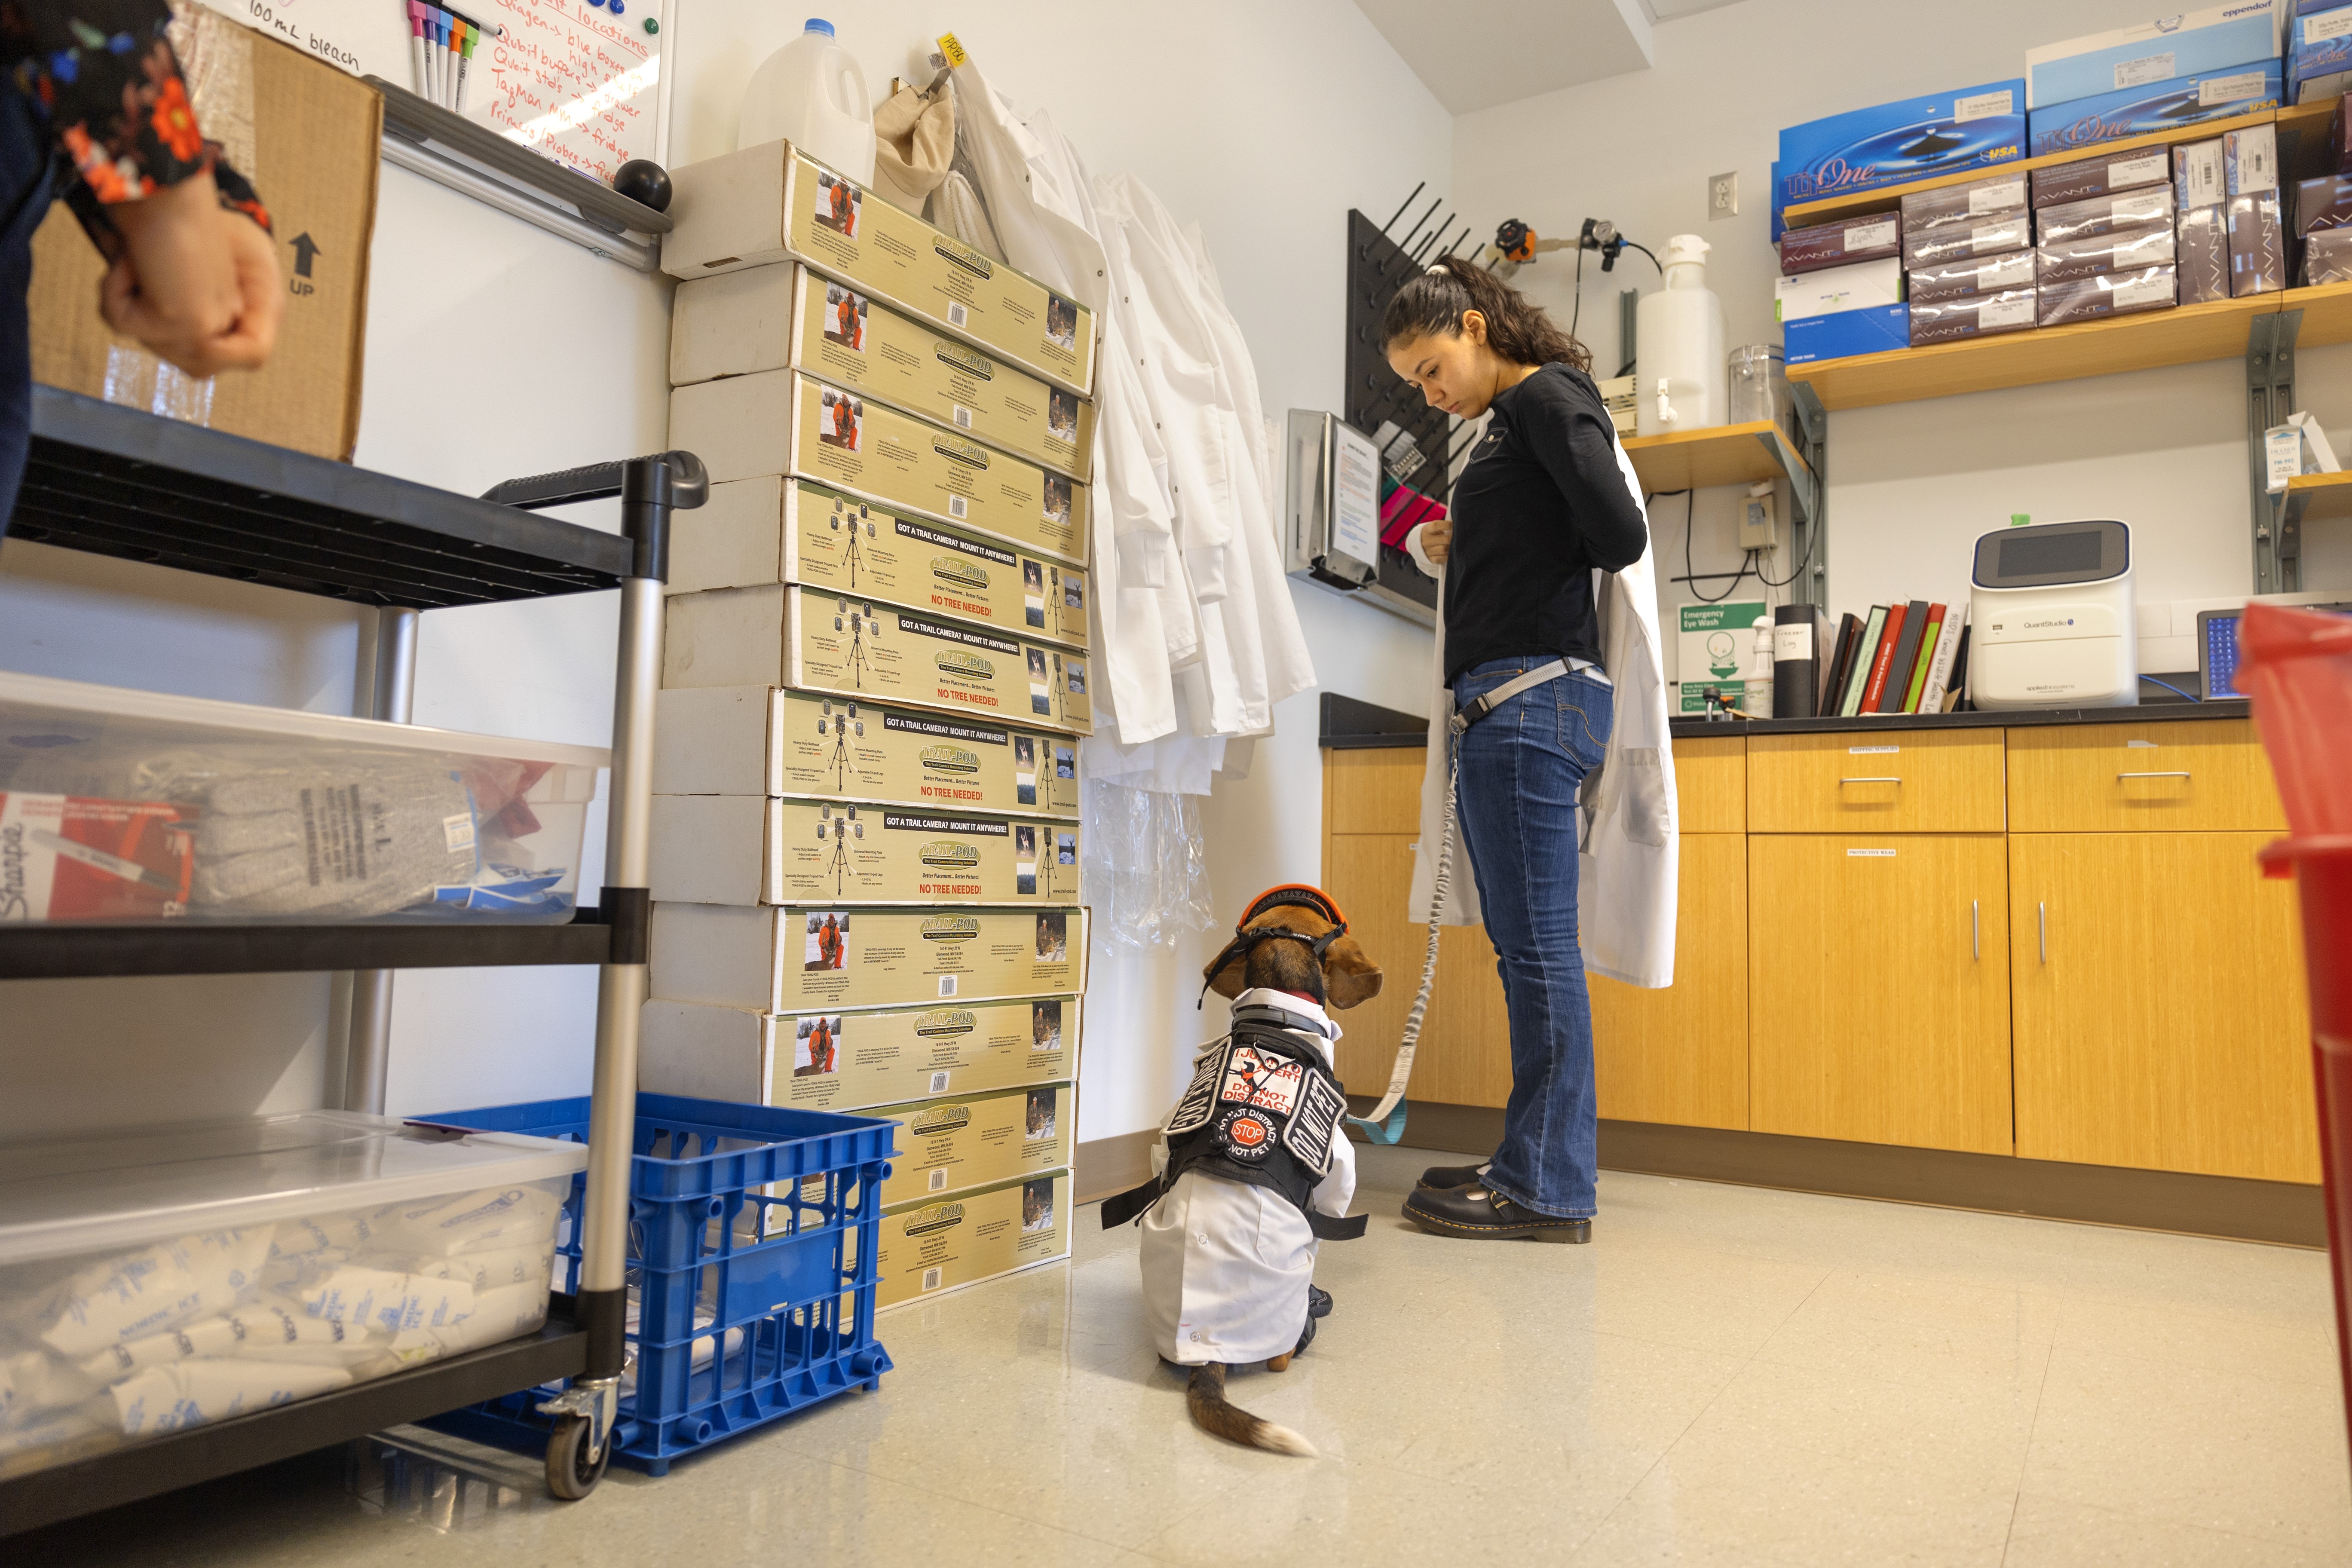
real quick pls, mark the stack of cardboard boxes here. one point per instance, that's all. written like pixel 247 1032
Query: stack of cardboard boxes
pixel 865 835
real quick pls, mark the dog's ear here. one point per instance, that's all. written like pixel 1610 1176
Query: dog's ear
pixel 1232 979
pixel 1349 978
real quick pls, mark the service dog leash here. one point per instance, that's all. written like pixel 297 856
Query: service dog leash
pixel 1386 1122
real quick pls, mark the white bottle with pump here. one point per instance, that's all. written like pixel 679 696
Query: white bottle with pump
pixel 812 94
pixel 1682 379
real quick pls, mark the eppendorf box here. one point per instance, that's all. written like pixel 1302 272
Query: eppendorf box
pixel 931 1244
pixel 856 647
pixel 782 422
pixel 758 741
pixel 817 958
pixel 770 204
pixel 848 1061
pixel 777 318
pixel 954 1145
pixel 743 849
pixel 752 533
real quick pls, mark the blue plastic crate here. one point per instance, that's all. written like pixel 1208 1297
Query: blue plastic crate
pixel 749 1304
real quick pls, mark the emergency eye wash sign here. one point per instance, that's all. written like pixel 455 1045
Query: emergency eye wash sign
pixel 1711 649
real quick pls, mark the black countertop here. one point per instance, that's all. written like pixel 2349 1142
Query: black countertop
pixel 1349 724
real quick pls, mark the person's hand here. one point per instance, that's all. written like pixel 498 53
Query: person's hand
pixel 196 284
pixel 1436 537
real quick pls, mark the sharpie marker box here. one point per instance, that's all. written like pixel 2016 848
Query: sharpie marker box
pixel 817 1060
pixel 1867 285
pixel 2161 106
pixel 1976 316
pixel 824 957
pixel 2168 48
pixel 1910 140
pixel 754 531
pixel 1959 279
pixel 2087 177
pixel 1811 339
pixel 1844 243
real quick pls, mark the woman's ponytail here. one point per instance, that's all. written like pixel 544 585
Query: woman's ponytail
pixel 1516 327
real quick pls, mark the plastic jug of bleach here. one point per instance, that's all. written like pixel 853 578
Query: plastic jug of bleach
pixel 1681 377
pixel 812 93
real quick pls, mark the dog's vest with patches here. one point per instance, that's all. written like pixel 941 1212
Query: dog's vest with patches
pixel 1262 1110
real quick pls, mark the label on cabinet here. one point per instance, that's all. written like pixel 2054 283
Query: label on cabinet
pixel 1872 854
pixel 1871 751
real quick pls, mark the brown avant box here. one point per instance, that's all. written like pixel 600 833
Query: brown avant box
pixel 314 144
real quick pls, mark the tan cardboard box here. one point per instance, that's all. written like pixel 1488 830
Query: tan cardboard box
pixel 755 533
pixel 954 1145
pixel 746 849
pixel 758 741
pixel 310 151
pixel 770 204
pixel 782 422
pixel 849 1061
pixel 933 1245
pixel 854 647
pixel 807 959
pixel 778 317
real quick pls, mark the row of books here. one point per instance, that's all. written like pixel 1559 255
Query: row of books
pixel 1901 659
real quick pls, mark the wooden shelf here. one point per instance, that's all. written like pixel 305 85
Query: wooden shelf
pixel 1719 455
pixel 1887 198
pixel 2310 497
pixel 2326 313
pixel 2181 336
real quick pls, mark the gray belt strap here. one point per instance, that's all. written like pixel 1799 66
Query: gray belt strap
pixel 1477 708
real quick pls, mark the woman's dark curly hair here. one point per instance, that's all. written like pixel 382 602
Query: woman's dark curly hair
pixel 1516 327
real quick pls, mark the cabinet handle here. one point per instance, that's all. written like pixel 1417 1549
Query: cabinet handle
pixel 1976 934
pixel 2042 912
pixel 2120 777
pixel 1892 780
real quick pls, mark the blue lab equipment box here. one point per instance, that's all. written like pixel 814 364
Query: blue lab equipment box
pixel 1847 333
pixel 2319 46
pixel 2148 53
pixel 2140 111
pixel 1912 139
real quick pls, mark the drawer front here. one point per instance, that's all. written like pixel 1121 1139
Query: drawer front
pixel 1711 784
pixel 1916 781
pixel 2209 776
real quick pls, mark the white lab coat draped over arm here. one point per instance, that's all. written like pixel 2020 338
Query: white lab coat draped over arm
pixel 1626 874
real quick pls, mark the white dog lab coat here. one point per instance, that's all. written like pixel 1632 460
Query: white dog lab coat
pixel 1226 1265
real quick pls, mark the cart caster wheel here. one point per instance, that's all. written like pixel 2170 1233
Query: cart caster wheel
pixel 571 1473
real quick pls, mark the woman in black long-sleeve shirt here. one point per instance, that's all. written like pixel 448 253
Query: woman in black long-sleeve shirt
pixel 1545 500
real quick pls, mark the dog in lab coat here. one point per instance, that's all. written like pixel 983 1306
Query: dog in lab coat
pixel 1255 1169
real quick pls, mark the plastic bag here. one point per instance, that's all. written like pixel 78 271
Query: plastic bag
pixel 1145 872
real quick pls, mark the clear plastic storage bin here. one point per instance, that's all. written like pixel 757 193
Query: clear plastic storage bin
pixel 120 805
pixel 152 1281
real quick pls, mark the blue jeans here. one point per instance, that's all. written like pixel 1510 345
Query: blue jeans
pixel 1520 769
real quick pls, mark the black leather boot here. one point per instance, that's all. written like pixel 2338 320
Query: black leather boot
pixel 1441 1178
pixel 1475 1213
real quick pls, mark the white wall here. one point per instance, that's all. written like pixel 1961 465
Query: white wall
pixel 1912 485
pixel 1266 124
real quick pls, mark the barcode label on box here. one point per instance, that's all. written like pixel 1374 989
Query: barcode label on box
pixel 1997 198
pixel 2329 24
pixel 2146 68
pixel 1874 235
pixel 1872 854
pixel 931 1278
pixel 939 1179
pixel 947 985
pixel 956 506
pixel 957 315
pixel 1995 237
pixel 2137 172
pixel 2013 310
pixel 2230 88
pixel 1983 106
pixel 963 417
pixel 939 1083
pixel 1872 751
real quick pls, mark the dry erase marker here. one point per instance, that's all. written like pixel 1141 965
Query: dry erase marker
pixel 454 61
pixel 417 48
pixel 466 63
pixel 441 56
pixel 487 29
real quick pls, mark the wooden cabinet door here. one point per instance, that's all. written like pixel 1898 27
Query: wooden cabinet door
pixel 1369 876
pixel 1680 1055
pixel 1878 989
pixel 2160 1005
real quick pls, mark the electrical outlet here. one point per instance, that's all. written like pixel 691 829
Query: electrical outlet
pixel 1759 527
pixel 1722 196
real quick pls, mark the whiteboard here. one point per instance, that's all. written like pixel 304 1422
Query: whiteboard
pixel 572 79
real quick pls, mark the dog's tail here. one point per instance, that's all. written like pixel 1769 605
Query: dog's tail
pixel 1205 1397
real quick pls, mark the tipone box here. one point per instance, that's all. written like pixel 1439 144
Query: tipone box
pixel 743 849
pixel 849 1061
pixel 782 422
pixel 933 1245
pixel 954 1145
pixel 812 958
pixel 774 318
pixel 753 532
pixel 758 741
pixel 770 204
pixel 854 647
pixel 1893 143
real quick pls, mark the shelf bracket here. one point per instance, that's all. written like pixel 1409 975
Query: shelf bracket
pixel 1809 488
pixel 2270 398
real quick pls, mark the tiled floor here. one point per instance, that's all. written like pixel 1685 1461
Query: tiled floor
pixel 1725 1376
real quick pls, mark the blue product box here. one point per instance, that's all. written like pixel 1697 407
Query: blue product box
pixel 2148 53
pixel 1847 333
pixel 1779 205
pixel 2319 42
pixel 1913 139
pixel 2139 111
